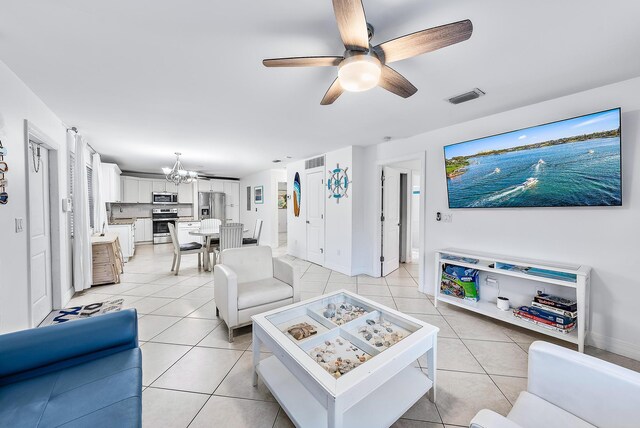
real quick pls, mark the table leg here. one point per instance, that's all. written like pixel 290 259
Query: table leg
pixel 334 414
pixel 432 369
pixel 207 245
pixel 256 356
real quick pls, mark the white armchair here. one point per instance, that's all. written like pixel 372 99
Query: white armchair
pixel 249 281
pixel 570 389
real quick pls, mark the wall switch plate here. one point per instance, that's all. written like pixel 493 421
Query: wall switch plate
pixel 447 218
pixel 19 225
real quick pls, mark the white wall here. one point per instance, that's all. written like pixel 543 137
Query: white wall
pixel 604 238
pixel 267 211
pixel 282 213
pixel 18 103
pixel 338 226
pixel 296 226
pixel 345 222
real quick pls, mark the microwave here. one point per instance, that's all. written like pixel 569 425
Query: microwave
pixel 164 198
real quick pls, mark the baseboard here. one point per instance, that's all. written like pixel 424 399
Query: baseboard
pixel 340 269
pixel 617 346
pixel 67 296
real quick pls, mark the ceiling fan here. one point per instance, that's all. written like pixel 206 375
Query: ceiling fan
pixel 363 66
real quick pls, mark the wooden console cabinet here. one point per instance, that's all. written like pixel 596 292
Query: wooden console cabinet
pixel 107 259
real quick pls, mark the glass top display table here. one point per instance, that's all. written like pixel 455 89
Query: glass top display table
pixel 341 360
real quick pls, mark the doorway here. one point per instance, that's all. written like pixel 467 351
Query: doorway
pixel 400 224
pixel 282 214
pixel 39 226
pixel 315 217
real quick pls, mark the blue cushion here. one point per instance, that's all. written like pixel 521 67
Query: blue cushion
pixel 102 392
pixel 38 351
pixel 80 373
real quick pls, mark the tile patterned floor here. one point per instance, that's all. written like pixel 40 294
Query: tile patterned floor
pixel 193 377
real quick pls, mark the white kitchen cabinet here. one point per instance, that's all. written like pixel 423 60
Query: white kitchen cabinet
pixel 144 230
pixel 217 186
pixel 111 188
pixel 160 185
pixel 126 235
pixel 204 185
pixel 130 189
pixel 232 192
pixel 232 214
pixel 184 227
pixel 145 189
pixel 232 201
pixel 185 193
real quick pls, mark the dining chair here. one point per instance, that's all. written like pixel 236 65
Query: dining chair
pixel 210 223
pixel 257 230
pixel 230 237
pixel 180 249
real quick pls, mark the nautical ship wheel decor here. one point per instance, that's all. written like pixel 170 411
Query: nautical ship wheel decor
pixel 338 183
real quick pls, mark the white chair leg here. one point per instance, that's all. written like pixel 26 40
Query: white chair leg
pixel 199 260
pixel 230 335
pixel 178 263
pixel 173 265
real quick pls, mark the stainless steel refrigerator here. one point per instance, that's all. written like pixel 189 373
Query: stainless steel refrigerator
pixel 212 205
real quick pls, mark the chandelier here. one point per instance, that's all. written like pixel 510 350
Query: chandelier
pixel 178 174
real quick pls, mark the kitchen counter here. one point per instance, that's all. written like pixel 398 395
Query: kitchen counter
pixel 122 221
pixel 186 219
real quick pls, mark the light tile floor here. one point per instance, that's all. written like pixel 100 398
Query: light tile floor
pixel 193 377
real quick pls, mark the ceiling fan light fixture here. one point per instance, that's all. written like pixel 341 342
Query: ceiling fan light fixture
pixel 359 73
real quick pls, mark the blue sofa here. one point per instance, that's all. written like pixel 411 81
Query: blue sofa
pixel 85 373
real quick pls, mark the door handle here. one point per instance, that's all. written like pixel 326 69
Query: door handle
pixel 308 222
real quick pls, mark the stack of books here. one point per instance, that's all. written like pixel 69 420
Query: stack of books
pixel 551 312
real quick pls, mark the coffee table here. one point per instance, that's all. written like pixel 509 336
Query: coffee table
pixel 377 378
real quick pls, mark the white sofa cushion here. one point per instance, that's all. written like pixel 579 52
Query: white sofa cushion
pixel 256 293
pixel 249 263
pixel 531 411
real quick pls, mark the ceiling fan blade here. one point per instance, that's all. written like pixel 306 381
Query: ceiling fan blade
pixel 303 61
pixel 424 41
pixel 334 91
pixel 396 83
pixel 352 24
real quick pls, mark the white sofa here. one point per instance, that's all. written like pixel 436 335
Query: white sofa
pixel 567 389
pixel 249 281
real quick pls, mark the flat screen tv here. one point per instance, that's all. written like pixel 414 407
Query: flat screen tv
pixel 569 163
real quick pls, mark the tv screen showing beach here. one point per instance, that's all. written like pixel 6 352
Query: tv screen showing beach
pixel 573 162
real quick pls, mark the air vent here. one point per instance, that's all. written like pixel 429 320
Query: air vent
pixel 314 163
pixel 467 96
pixel 276 161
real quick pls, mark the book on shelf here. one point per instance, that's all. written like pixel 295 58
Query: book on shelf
pixel 556 302
pixel 549 316
pixel 562 312
pixel 524 314
pixel 567 330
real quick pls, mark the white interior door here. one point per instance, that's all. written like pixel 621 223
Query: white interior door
pixel 40 239
pixel 315 217
pixel 391 223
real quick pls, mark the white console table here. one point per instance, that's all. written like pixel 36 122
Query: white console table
pixel 487 263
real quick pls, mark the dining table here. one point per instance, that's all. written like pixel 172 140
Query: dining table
pixel 209 234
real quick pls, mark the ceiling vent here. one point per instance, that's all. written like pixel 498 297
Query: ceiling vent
pixel 467 96
pixel 314 163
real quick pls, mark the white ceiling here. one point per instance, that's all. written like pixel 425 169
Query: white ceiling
pixel 145 78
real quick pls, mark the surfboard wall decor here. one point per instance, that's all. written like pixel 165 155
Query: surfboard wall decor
pixel 296 195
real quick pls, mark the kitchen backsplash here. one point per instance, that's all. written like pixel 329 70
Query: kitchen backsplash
pixel 144 210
